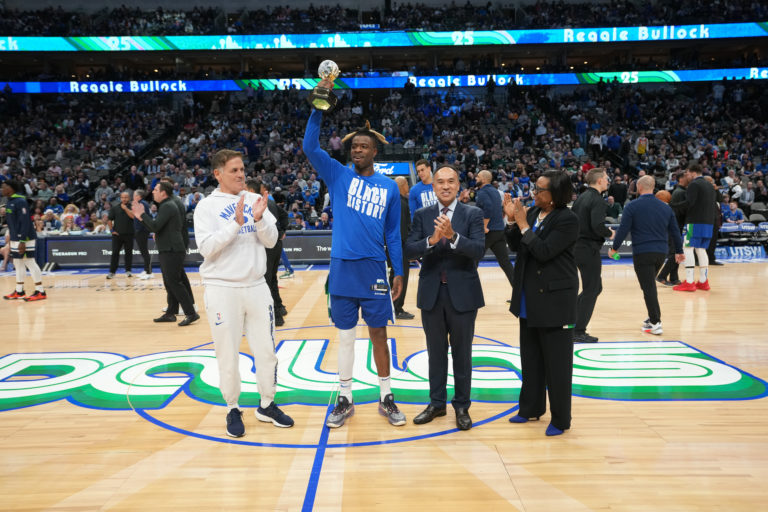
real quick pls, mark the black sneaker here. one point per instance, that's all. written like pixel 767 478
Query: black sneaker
pixel 404 315
pixel 235 427
pixel 282 311
pixel 274 415
pixel 279 321
pixel 584 338
pixel 343 410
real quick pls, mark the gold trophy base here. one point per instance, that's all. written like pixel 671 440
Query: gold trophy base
pixel 322 99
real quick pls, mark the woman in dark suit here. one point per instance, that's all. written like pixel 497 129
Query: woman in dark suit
pixel 545 288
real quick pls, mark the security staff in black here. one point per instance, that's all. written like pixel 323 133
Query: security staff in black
pixel 589 207
pixel 273 254
pixel 121 226
pixel 185 237
pixel 170 247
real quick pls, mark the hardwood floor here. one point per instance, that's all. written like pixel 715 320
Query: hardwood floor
pixel 101 409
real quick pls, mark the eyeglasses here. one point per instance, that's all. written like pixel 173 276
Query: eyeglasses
pixel 535 189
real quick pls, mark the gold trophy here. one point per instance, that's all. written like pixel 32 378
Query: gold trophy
pixel 322 98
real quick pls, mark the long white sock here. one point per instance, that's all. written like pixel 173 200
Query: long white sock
pixel 703 264
pixel 385 387
pixel 34 269
pixel 689 264
pixel 21 273
pixel 346 361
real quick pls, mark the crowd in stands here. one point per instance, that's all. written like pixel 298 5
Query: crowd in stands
pixel 402 16
pixel 66 153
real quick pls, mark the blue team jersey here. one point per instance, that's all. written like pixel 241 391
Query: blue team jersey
pixel 421 195
pixel 366 211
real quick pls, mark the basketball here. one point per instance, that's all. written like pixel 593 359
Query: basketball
pixel 664 195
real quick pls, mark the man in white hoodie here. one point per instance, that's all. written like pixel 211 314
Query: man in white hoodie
pixel 232 229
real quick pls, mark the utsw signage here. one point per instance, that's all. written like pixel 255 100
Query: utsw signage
pixel 662 370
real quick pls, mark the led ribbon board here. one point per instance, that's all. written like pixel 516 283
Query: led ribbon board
pixel 385 39
pixel 390 82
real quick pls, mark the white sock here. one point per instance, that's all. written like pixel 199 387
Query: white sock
pixel 703 264
pixel 345 389
pixel 264 403
pixel 236 406
pixel 34 270
pixel 689 264
pixel 21 273
pixel 385 387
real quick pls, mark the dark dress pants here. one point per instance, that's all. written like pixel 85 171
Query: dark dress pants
pixel 441 324
pixel 124 242
pixel 497 243
pixel 590 267
pixel 546 356
pixel 273 262
pixel 647 266
pixel 142 240
pixel 172 267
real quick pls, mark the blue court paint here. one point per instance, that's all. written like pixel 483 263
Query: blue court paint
pixel 317 466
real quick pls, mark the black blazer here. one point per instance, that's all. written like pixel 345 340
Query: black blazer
pixel 545 267
pixel 460 264
pixel 166 227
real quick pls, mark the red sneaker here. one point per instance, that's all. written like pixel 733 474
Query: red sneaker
pixel 36 296
pixel 15 295
pixel 702 286
pixel 685 286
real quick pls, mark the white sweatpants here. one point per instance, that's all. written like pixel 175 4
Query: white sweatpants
pixel 232 312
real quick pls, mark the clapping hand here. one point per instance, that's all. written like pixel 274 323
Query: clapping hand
pixel 259 206
pixel 520 213
pixel 239 217
pixel 136 208
pixel 509 207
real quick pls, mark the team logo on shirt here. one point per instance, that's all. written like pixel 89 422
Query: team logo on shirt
pixel 228 213
pixel 366 198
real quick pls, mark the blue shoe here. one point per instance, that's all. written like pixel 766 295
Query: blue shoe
pixel 554 431
pixel 271 414
pixel 521 419
pixel 235 427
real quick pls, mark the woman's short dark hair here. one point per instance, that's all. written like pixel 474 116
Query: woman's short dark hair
pixel 560 187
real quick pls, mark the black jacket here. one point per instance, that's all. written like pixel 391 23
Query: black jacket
pixel 546 269
pixel 700 202
pixel 166 227
pixel 589 207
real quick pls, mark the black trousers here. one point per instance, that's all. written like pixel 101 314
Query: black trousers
pixel 273 262
pixel 142 240
pixel 546 356
pixel 590 267
pixel 121 242
pixel 647 265
pixel 441 325
pixel 174 279
pixel 497 243
pixel 400 301
pixel 671 267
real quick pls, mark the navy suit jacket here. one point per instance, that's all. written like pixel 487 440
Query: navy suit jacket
pixel 460 263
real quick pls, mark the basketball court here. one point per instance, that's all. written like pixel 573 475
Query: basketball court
pixel 102 409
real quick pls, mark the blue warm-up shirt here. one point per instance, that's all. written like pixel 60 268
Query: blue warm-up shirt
pixel 17 215
pixel 366 209
pixel 651 223
pixel 421 195
pixel 488 199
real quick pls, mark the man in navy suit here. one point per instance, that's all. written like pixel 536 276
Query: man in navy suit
pixel 450 239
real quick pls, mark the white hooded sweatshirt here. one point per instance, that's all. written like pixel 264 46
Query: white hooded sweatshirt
pixel 233 255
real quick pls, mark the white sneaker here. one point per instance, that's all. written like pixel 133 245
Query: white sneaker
pixel 144 276
pixel 647 323
pixel 653 329
pixel 128 274
pixel 110 275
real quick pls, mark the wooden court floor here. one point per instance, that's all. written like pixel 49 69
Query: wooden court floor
pixel 101 409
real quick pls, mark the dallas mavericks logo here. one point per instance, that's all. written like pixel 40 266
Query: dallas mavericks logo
pixel 663 370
